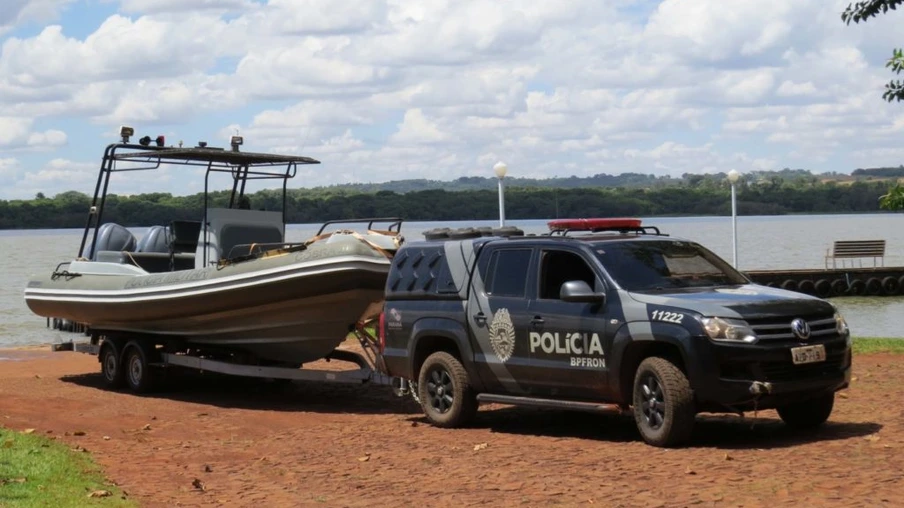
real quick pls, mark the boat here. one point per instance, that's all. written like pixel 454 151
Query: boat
pixel 228 281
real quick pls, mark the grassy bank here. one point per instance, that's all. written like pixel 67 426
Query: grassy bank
pixel 878 345
pixel 37 472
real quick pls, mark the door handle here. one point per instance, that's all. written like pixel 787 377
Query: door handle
pixel 537 320
pixel 480 318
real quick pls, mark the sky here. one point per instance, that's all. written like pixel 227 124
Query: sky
pixel 381 90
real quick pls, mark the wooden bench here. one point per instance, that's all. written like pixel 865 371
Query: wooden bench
pixel 856 249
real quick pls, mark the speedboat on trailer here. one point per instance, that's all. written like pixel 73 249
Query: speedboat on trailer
pixel 227 282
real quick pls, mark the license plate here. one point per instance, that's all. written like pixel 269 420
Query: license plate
pixel 808 354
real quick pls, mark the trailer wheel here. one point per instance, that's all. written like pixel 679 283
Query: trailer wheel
pixel 111 365
pixel 445 392
pixel 138 373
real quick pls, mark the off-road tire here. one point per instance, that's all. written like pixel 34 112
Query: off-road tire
pixel 111 365
pixel 808 414
pixel 440 373
pixel 675 413
pixel 139 375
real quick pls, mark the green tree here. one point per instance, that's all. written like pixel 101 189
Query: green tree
pixel 894 199
pixel 862 11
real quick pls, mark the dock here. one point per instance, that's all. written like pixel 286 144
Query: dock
pixel 825 283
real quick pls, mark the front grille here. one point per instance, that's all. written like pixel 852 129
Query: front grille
pixel 780 328
pixel 785 369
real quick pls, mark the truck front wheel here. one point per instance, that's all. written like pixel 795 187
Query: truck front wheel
pixel 663 403
pixel 808 414
pixel 445 392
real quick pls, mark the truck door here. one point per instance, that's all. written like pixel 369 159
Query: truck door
pixel 498 317
pixel 567 340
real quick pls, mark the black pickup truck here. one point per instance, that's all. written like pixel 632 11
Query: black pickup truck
pixel 604 313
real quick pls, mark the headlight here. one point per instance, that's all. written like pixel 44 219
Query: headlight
pixel 841 325
pixel 728 330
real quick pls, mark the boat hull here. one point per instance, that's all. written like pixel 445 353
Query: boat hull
pixel 293 308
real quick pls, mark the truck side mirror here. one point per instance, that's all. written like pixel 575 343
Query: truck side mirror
pixel 580 291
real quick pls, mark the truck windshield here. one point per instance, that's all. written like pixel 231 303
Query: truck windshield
pixel 663 265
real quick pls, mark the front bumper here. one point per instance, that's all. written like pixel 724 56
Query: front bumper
pixel 743 376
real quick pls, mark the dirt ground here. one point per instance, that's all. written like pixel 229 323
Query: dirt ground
pixel 228 441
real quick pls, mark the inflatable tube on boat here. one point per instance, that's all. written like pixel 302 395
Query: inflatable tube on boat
pixel 155 240
pixel 112 236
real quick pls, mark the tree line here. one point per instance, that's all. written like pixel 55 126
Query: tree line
pixel 696 197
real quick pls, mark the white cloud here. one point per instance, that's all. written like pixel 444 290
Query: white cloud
pixel 16 134
pixel 9 169
pixel 387 89
pixel 13 12
pixel 158 6
pixel 417 129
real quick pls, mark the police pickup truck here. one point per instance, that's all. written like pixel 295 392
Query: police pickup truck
pixel 604 313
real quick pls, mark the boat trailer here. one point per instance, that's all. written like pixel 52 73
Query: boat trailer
pixel 370 364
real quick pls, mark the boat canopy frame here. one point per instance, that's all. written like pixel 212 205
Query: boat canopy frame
pixel 243 166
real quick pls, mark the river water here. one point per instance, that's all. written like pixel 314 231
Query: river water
pixel 773 242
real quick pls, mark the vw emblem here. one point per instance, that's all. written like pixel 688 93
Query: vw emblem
pixel 800 328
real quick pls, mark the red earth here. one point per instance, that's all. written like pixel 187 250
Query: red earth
pixel 216 440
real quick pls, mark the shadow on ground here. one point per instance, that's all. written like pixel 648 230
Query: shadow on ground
pixel 259 394
pixel 711 431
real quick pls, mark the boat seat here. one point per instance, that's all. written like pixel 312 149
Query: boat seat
pixel 230 233
pixel 184 235
pixel 151 262
pixel 237 239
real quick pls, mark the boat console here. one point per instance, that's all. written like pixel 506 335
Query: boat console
pixel 223 231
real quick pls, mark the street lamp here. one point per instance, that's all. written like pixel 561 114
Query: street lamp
pixel 733 177
pixel 500 169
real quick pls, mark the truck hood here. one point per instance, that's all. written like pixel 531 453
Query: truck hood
pixel 749 301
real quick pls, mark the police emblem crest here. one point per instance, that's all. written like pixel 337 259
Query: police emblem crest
pixel 502 335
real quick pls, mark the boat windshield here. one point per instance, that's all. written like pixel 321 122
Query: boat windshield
pixel 657 265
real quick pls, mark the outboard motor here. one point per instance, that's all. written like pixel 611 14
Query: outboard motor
pixel 112 236
pixel 155 240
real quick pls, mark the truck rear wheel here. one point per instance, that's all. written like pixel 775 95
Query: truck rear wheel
pixel 809 413
pixel 663 403
pixel 445 392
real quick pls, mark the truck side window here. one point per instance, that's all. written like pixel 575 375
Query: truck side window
pixel 558 267
pixel 507 274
